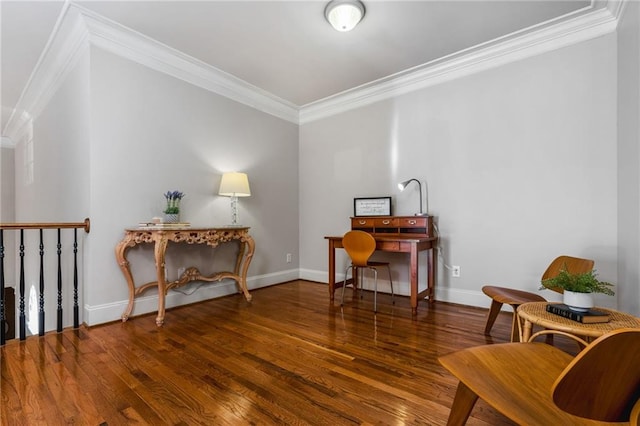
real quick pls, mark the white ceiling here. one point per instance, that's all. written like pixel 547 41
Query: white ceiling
pixel 286 48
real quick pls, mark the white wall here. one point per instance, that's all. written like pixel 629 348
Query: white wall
pixel 520 162
pixel 152 133
pixel 57 189
pixel 7 190
pixel 628 158
pixel 7 210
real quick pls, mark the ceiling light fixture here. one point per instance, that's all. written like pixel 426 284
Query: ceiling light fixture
pixel 344 15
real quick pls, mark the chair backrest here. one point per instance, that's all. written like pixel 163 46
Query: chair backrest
pixel 359 245
pixel 603 382
pixel 574 265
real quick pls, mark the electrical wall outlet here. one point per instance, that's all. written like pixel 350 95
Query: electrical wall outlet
pixel 455 271
pixel 288 257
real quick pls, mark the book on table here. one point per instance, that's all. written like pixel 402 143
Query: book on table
pixel 592 316
pixel 165 225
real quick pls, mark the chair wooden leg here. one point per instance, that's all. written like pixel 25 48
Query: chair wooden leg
pixel 515 327
pixel 549 341
pixel 493 314
pixel 462 405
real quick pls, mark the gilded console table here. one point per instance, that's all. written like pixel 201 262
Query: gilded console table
pixel 160 237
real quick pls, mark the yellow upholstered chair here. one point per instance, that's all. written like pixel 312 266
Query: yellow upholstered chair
pixel 360 245
pixel 538 384
pixel 515 298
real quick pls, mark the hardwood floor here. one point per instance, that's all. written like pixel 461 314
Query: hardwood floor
pixel 289 357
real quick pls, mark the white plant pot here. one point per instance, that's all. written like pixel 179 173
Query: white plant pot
pixel 171 218
pixel 580 302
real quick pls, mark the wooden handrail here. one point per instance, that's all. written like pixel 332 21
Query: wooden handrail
pixel 21 227
pixel 49 225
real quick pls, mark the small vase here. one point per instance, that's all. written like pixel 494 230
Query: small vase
pixel 580 302
pixel 171 217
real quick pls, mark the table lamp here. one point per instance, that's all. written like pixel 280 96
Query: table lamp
pixel 234 185
pixel 403 185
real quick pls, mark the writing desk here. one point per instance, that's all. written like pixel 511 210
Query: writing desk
pixel 160 237
pixel 399 234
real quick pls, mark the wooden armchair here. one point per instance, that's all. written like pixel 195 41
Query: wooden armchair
pixel 515 298
pixel 538 384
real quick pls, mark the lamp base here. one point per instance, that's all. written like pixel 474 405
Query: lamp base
pixel 421 214
pixel 234 211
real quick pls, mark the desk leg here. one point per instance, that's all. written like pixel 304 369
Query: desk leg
pixel 159 251
pixel 413 272
pixel 332 269
pixel 432 262
pixel 121 258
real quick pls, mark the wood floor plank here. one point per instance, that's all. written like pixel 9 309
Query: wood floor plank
pixel 289 357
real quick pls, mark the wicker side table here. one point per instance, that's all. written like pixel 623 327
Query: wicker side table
pixel 536 313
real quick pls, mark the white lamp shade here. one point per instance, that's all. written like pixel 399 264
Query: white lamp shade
pixel 344 15
pixel 234 185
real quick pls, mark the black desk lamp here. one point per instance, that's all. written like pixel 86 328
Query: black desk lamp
pixel 404 184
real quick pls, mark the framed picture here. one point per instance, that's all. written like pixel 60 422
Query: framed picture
pixel 372 206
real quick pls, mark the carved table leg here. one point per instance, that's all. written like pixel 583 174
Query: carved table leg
pixel 251 244
pixel 159 251
pixel 121 258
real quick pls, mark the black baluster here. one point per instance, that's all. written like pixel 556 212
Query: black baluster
pixel 41 295
pixel 59 283
pixel 23 319
pixel 2 318
pixel 76 314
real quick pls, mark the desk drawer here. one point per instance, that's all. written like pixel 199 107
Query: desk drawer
pixel 388 245
pixel 386 226
pixel 416 226
pixel 413 222
pixel 407 226
pixel 362 222
pixel 386 222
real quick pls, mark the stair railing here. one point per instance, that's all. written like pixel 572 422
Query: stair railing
pixel 40 227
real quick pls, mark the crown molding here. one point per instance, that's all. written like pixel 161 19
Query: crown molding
pixel 5 142
pixel 78 28
pixel 539 39
pixel 117 39
pixel 616 7
pixel 65 46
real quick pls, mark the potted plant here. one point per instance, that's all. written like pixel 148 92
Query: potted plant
pixel 578 289
pixel 172 211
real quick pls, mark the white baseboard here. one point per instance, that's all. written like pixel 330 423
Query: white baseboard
pixel 108 312
pixel 99 314
pixel 464 297
pixel 317 276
